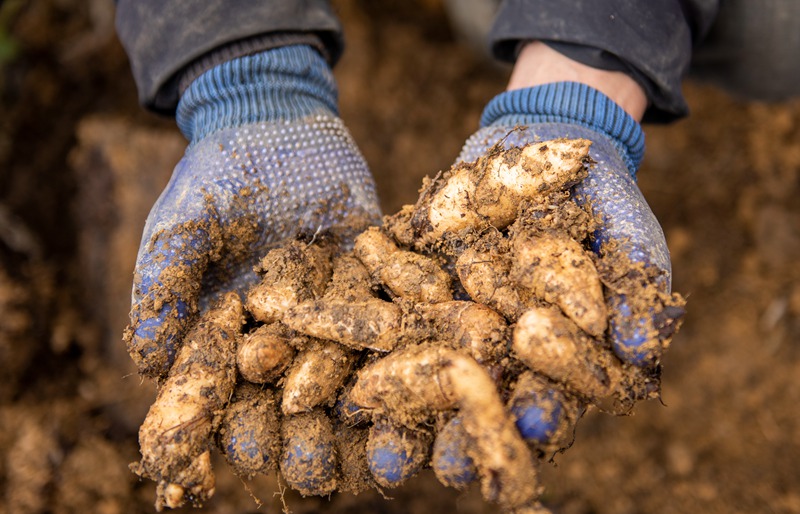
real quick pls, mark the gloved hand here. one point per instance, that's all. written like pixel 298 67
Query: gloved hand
pixel 268 158
pixel 627 225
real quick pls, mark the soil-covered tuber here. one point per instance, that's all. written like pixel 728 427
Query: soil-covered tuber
pixel 176 436
pixel 406 274
pixel 489 191
pixel 291 274
pixel 316 375
pixel 265 353
pixel 558 270
pixel 371 323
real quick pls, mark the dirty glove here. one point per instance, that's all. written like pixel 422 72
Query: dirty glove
pixel 268 158
pixel 627 224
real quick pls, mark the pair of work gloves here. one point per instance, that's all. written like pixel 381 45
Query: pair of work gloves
pixel 269 158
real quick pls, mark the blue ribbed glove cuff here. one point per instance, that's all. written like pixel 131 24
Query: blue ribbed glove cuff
pixel 574 103
pixel 282 84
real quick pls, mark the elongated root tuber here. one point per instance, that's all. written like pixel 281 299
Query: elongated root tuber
pixel 425 379
pixel 290 274
pixel 407 274
pixel 557 270
pixel 315 376
pixel 176 436
pixel 488 192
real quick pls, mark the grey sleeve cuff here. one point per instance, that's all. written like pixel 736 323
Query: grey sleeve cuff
pixel 171 41
pixel 650 41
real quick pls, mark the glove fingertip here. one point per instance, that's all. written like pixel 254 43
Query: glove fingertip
pixel 395 454
pixel 535 423
pixel 450 462
pixel 309 459
pixel 153 341
pixel 633 337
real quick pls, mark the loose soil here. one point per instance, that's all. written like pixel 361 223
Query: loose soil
pixel 83 164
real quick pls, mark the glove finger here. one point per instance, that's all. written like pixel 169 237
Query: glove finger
pixel 545 416
pixel 309 458
pixel 538 415
pixel 166 287
pixel 630 333
pixel 394 453
pixel 627 227
pixel 450 461
pixel 249 433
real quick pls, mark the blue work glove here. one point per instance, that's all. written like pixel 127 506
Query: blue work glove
pixel 268 159
pixel 627 225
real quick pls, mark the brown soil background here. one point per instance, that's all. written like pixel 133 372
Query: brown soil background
pixel 81 164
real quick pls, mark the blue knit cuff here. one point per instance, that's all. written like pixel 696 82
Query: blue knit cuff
pixel 283 84
pixel 570 102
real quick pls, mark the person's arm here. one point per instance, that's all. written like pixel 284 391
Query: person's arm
pixel 538 64
pixel 269 158
pixel 650 42
pixel 593 70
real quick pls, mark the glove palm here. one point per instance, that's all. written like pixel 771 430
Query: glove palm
pixel 269 158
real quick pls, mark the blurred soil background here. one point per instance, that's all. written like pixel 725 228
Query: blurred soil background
pixel 81 164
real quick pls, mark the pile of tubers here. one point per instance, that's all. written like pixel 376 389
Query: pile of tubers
pixel 437 324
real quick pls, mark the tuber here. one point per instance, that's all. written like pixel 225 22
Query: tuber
pixel 550 344
pixel 176 436
pixel 370 323
pixel 406 274
pixel 489 191
pixel 315 376
pixel 265 353
pixel 291 274
pixel 556 269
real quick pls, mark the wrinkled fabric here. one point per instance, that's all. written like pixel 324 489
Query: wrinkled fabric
pixel 652 42
pixel 162 37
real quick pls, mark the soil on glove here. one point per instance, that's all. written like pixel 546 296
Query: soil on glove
pixel 84 165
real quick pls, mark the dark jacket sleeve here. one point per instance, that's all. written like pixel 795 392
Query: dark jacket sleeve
pixel 164 37
pixel 650 40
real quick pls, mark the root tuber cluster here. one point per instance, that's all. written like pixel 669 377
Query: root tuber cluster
pixel 439 325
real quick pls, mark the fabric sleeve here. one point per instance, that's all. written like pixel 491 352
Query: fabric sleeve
pixel 751 50
pixel 651 41
pixel 164 37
